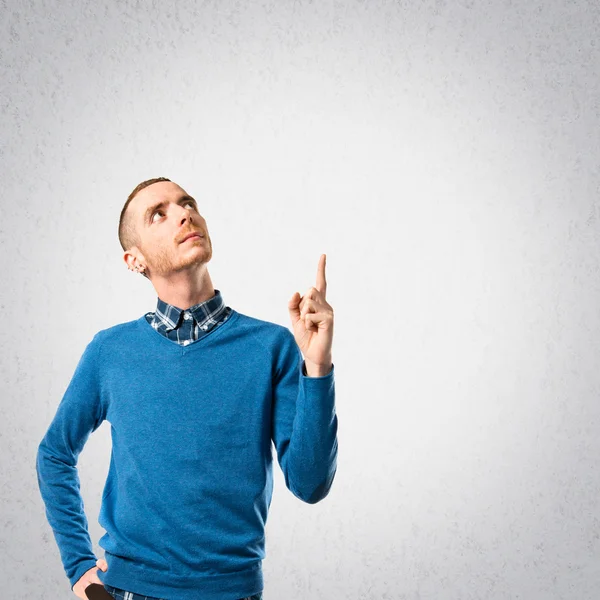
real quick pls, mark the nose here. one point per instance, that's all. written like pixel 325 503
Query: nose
pixel 186 215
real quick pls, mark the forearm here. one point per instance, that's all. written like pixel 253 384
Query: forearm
pixel 312 453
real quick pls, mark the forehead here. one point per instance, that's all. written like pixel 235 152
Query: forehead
pixel 162 191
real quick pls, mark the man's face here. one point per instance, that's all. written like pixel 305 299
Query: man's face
pixel 164 214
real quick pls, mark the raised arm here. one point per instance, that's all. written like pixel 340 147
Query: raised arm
pixel 304 425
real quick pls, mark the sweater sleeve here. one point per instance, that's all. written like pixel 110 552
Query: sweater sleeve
pixel 78 415
pixel 304 424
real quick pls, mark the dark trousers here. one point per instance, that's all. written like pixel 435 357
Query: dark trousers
pixel 125 595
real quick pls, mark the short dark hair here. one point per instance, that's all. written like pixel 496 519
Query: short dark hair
pixel 128 233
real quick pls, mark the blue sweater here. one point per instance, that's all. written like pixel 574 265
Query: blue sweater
pixel 190 480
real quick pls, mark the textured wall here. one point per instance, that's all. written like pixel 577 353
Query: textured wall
pixel 444 155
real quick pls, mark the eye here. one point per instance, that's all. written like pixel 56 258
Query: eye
pixel 155 213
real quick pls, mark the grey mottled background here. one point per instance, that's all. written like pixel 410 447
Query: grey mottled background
pixel 445 157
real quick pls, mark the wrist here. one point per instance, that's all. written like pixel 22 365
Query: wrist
pixel 311 369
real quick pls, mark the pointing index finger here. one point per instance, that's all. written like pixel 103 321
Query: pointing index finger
pixel 321 282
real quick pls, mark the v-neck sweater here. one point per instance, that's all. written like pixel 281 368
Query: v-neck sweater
pixel 190 481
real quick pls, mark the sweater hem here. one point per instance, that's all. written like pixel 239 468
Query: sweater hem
pixel 141 580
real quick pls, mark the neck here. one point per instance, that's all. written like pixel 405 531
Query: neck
pixel 184 288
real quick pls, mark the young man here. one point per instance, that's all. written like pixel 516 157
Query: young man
pixel 195 393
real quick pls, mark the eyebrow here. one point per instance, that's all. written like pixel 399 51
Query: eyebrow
pixel 150 210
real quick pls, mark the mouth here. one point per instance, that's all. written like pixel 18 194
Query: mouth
pixel 193 236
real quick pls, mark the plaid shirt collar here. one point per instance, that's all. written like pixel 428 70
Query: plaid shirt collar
pixel 208 313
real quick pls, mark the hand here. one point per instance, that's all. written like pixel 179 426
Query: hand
pixel 312 322
pixel 88 578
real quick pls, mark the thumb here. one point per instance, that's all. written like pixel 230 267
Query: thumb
pixel 102 564
pixel 293 307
